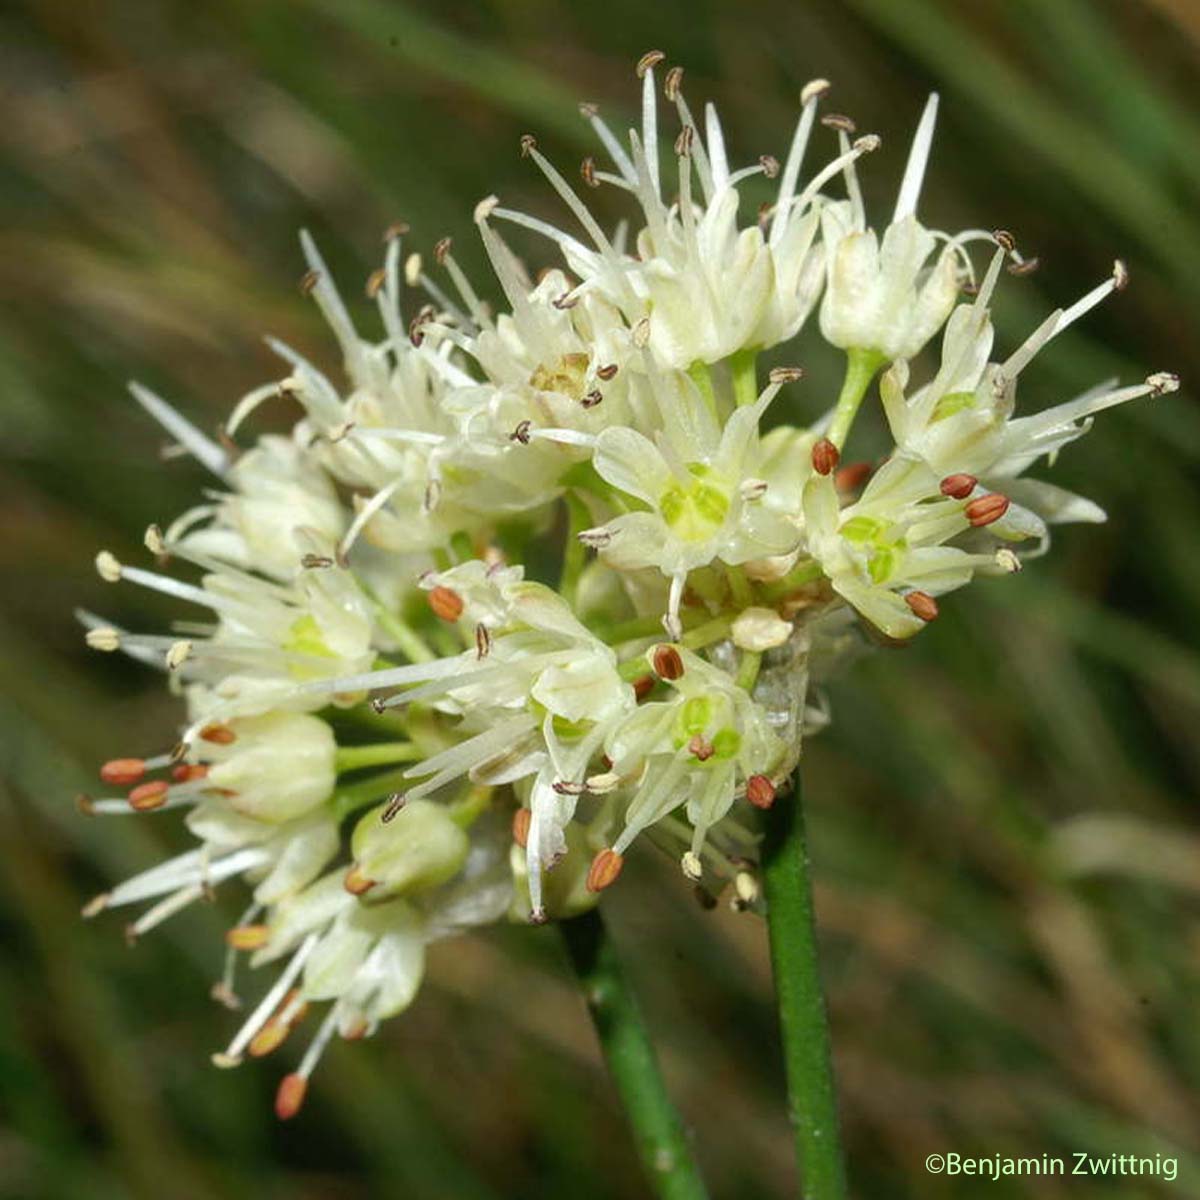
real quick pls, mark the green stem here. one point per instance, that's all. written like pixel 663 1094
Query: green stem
pixel 748 668
pixel 575 554
pixel 376 754
pixel 812 1099
pixel 745 378
pixel 403 634
pixel 353 796
pixel 629 1053
pixel 861 366
pixel 702 378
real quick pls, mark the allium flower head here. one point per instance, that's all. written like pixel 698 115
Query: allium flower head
pixel 421 638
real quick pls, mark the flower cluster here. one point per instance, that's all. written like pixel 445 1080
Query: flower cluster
pixel 394 733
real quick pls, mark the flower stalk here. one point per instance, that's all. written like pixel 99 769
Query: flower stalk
pixel 812 1097
pixel 629 1053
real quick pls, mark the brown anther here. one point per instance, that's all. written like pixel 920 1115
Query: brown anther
pixel 649 61
pixel 85 805
pixel 683 143
pixel 840 122
pixel 528 144
pixel 606 372
pixel 520 826
pixel 375 282
pixel 605 868
pixel 148 796
pixel 852 476
pixel 588 108
pixel 760 791
pixel 922 604
pixel 592 398
pixel 247 937
pixel 316 562
pixel 825 456
pixel 701 748
pixel 225 996
pixel 521 433
pixel 643 685
pixel 537 916
pixel 769 164
pixel 565 301
pixel 445 603
pixel 416 331
pixel 308 281
pixel 763 218
pixel 270 1037
pixel 396 229
pixel 95 906
pixel 1004 240
pixel 187 772
pixel 1026 266
pixel 441 248
pixel 587 169
pixel 958 487
pixel 123 771
pixel 483 641
pixel 568 787
pixel 356 883
pixel 1120 274
pixel 218 735
pixel 672 83
pixel 290 1097
pixel 785 374
pixel 356 1030
pixel 391 809
pixel 986 509
pixel 666 662
pixel 378 704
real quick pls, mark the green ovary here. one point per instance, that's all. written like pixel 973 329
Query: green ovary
pixel 694 511
pixel 305 637
pixel 951 403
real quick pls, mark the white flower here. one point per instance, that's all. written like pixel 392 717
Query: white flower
pixel 277 488
pixel 882 296
pixel 696 750
pixel 692 481
pixel 886 553
pixel 709 287
pixel 962 422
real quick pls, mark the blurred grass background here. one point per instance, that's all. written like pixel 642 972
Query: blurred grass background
pixel 1003 815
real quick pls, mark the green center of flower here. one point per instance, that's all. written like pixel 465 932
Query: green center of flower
pixel 880 542
pixel 306 637
pixel 695 510
pixel 951 403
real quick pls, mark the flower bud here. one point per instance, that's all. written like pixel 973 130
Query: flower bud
pixel 420 848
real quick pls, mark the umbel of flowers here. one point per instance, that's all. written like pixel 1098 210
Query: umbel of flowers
pixel 502 742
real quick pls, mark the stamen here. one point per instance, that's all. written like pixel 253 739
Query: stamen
pixel 104 638
pixel 825 456
pixel 958 487
pixel 986 509
pixel 520 827
pixel 605 868
pixel 922 604
pixel 446 603
pixel 760 791
pixel 121 772
pixel 270 1002
pixel 691 866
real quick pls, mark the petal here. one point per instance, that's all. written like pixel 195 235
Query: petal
pixel 631 463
